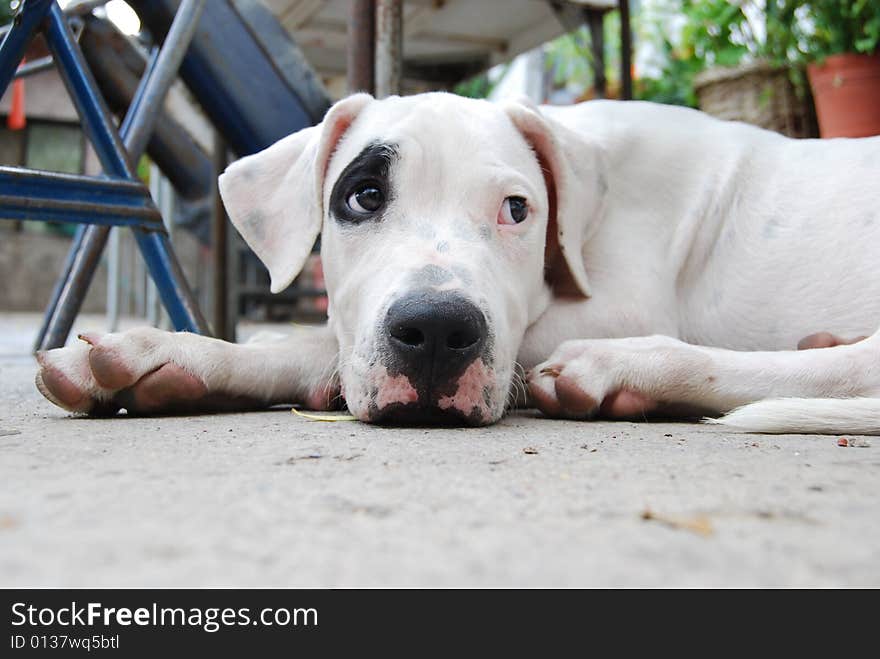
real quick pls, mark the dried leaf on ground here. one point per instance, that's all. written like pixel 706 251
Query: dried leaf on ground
pixel 699 524
pixel 324 417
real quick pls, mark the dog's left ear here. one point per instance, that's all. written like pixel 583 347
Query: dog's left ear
pixel 275 197
pixel 574 173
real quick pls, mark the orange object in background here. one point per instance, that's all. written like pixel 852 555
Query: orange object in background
pixel 17 119
pixel 846 89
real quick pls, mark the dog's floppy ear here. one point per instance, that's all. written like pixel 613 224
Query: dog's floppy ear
pixel 574 172
pixel 275 197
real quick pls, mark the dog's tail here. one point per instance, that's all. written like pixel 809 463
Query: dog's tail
pixel 824 416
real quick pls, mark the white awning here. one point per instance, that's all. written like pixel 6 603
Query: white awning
pixel 472 33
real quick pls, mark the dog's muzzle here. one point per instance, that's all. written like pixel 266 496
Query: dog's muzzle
pixel 437 342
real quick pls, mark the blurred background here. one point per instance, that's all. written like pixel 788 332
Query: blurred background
pixel 804 69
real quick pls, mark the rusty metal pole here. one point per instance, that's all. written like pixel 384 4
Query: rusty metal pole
pixel 595 21
pixel 361 46
pixel 389 47
pixel 625 52
pixel 223 328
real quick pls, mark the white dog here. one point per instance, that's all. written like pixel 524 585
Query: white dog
pixel 463 241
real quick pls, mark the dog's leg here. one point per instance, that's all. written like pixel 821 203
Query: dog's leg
pixel 622 378
pixel 148 371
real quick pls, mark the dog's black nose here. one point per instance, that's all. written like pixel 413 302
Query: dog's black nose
pixel 434 336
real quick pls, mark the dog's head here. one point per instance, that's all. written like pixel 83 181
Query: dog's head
pixel 446 225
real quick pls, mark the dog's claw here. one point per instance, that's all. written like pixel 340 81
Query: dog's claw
pixel 89 337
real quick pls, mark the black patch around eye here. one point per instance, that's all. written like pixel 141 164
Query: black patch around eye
pixel 367 177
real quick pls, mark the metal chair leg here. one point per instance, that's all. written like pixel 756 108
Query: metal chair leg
pixel 137 127
pixel 16 40
pixel 75 247
pixel 83 260
pixel 170 280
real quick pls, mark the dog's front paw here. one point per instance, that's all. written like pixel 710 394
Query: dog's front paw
pixel 102 374
pixel 612 378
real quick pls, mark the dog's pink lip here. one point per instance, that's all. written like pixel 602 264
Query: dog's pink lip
pixel 396 390
pixel 469 393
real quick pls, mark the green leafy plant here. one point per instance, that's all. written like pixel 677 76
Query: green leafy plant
pixel 718 32
pixel 841 26
pixel 724 33
pixel 8 8
pixel 674 85
pixel 478 86
pixel 569 58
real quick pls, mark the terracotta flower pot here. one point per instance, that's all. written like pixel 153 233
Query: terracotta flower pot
pixel 846 90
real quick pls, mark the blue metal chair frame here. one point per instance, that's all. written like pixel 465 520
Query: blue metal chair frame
pixel 118 198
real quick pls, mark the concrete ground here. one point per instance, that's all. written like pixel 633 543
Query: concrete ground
pixel 270 499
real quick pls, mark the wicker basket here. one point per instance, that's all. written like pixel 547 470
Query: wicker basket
pixel 759 94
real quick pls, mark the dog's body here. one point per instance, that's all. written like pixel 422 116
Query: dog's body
pixel 472 238
pixel 721 234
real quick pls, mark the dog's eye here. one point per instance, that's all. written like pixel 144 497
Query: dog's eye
pixel 367 199
pixel 513 211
